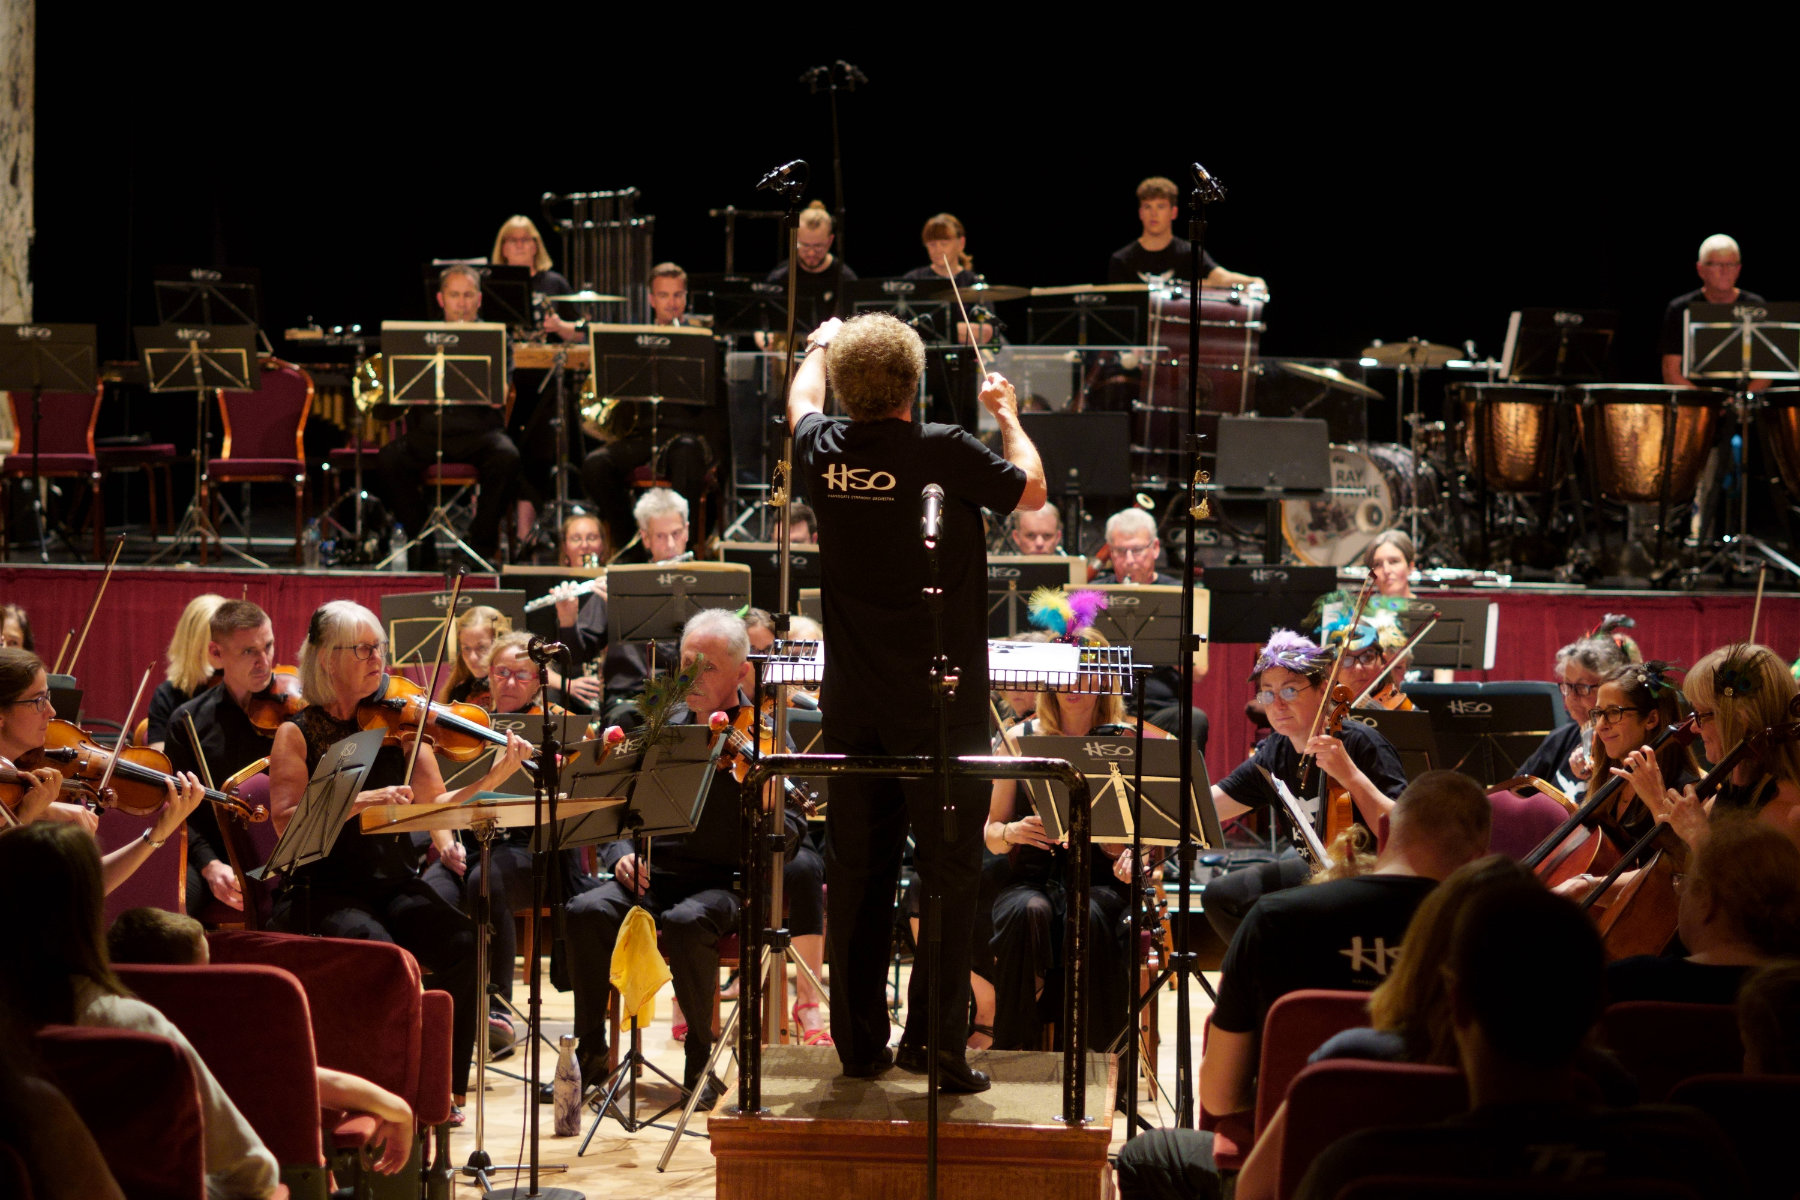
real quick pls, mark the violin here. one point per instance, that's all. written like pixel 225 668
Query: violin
pixel 16 781
pixel 459 731
pixel 1340 809
pixel 278 701
pixel 140 778
pixel 743 749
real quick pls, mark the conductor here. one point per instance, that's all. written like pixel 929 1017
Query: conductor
pixel 865 478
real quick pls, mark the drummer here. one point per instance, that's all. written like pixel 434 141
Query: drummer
pixel 1158 254
pixel 1718 268
pixel 944 240
pixel 1391 560
pixel 668 294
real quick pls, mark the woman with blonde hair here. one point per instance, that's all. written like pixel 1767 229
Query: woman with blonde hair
pixel 1737 691
pixel 190 670
pixel 476 632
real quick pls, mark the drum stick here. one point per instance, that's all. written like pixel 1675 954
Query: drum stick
pixel 957 292
pixel 1756 612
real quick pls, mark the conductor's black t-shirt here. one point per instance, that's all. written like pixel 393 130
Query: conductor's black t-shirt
pixel 1674 315
pixel 865 480
pixel 1132 263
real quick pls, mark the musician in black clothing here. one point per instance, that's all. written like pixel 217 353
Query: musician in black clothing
pixel 944 240
pixel 471 434
pixel 1290 676
pixel 518 244
pixel 864 478
pixel 1158 254
pixel 1134 548
pixel 242 649
pixel 817 289
pixel 662 523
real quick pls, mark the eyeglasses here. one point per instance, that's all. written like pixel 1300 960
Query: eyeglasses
pixel 1704 718
pixel 1363 658
pixel 506 675
pixel 41 702
pixel 519 239
pixel 1288 693
pixel 1578 689
pixel 1141 548
pixel 1606 716
pixel 366 650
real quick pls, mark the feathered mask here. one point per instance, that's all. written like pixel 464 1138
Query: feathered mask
pixel 1065 614
pixel 1380 624
pixel 1291 650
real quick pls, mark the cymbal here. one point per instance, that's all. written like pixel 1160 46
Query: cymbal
pixel 586 298
pixel 1411 353
pixel 1331 377
pixel 980 293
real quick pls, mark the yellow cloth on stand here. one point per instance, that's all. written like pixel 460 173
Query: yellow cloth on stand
pixel 638 969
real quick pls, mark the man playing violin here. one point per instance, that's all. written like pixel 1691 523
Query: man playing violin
pixel 242 647
pixel 1290 677
pixel 369 885
pixel 685 881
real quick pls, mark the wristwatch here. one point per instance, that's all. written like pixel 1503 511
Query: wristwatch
pixel 145 838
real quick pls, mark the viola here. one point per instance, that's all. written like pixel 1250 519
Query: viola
pixel 458 731
pixel 743 748
pixel 140 778
pixel 278 701
pixel 1340 809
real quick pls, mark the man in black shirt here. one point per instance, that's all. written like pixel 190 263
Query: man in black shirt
pixel 817 287
pixel 1132 543
pixel 865 477
pixel 1718 268
pixel 1158 254
pixel 1344 934
pixel 242 647
pixel 471 434
pixel 687 882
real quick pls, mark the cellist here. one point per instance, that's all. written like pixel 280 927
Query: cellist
pixel 1737 691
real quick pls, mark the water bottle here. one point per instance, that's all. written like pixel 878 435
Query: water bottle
pixel 565 1088
pixel 397 548
pixel 309 545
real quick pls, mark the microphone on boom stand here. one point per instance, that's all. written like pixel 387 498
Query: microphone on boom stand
pixel 781 176
pixel 931 525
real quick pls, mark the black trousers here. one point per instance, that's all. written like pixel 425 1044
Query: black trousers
pixel 1028 939
pixel 1228 898
pixel 1168 1164
pixel 692 920
pixel 865 833
pixel 509 892
pixel 606 477
pixel 402 463
pixel 803 887
pixel 416 918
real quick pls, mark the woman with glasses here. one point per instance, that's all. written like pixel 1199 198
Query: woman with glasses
pixel 369 886
pixel 1562 757
pixel 1289 678
pixel 475 634
pixel 1738 691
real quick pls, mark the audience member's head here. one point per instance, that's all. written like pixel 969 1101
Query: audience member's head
pixel 156 935
pixel 1742 889
pixel 1768 1010
pixel 1441 821
pixel 51 871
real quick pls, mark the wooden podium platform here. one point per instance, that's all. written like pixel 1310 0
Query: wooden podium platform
pixel 825 1135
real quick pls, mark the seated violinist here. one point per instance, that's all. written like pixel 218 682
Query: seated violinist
pixel 241 648
pixel 1372 655
pixel 1355 774
pixel 368 886
pixel 476 630
pixel 25 716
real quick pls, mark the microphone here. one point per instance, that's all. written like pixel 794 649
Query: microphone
pixel 783 174
pixel 931 525
pixel 540 651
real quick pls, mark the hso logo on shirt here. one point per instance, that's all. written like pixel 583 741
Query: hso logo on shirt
pixel 857 483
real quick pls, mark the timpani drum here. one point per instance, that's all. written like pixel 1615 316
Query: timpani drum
pixel 1779 420
pixel 1378 484
pixel 1646 444
pixel 1511 433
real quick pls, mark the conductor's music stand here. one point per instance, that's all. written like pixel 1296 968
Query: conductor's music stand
pixel 211 296
pixel 414 621
pixel 442 366
pixel 199 358
pixel 40 358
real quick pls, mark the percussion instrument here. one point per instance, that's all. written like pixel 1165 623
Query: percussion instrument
pixel 1510 433
pixel 1779 420
pixel 586 298
pixel 1647 443
pixel 978 293
pixel 1377 484
pixel 1331 377
pixel 1411 353
pixel 542 355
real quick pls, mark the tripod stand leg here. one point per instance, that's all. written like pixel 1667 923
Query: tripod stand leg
pixel 693 1102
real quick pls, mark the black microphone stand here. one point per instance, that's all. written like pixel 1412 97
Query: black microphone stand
pixel 943 690
pixel 830 76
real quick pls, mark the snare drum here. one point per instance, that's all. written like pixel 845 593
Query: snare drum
pixel 1647 443
pixel 1511 433
pixel 1335 531
pixel 1779 419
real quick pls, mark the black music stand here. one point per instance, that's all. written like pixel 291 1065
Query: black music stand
pixel 1247 602
pixel 441 366
pixel 1412 734
pixel 1109 762
pixel 740 304
pixel 414 621
pixel 1465 637
pixel 1557 345
pixel 506 294
pixel 324 807
pixel 1147 617
pixel 530 726
pixel 40 358
pixel 1087 453
pixel 1272 459
pixel 651 602
pixel 907 300
pixel 211 296
pixel 65 697
pixel 1107 314
pixel 805 568
pixel 1486 730
pixel 1011 578
pixel 199 358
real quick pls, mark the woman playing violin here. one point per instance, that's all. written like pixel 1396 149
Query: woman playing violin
pixel 1290 677
pixel 1737 692
pixel 369 885
pixel 1368 655
pixel 25 716
pixel 476 631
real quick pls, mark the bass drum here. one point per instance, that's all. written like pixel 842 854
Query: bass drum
pixel 1335 531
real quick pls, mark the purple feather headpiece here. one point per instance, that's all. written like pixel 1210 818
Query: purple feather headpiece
pixel 1294 651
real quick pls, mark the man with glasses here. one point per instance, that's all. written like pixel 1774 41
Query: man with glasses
pixel 241 647
pixel 1289 678
pixel 816 286
pixel 1134 547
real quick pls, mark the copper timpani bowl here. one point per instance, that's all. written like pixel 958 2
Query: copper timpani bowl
pixel 1646 443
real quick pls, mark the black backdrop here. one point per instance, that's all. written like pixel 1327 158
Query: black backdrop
pixel 1387 185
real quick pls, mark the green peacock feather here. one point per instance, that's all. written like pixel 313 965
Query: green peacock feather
pixel 662 694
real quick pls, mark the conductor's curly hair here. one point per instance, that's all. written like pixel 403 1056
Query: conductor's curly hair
pixel 874 363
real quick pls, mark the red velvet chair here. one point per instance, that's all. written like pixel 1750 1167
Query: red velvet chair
pixel 1757 1114
pixel 155 459
pixel 1328 1100
pixel 137 1095
pixel 250 1025
pixel 1663 1043
pixel 265 438
pixel 66 451
pixel 1521 821
pixel 160 880
pixel 1299 1023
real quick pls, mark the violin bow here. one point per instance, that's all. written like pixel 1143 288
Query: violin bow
pixel 124 732
pixel 93 608
pixel 961 308
pixel 437 669
pixel 1375 684
pixel 1756 612
pixel 1362 600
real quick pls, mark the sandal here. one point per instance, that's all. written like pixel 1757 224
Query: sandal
pixel 986 1031
pixel 811 1037
pixel 678 1031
